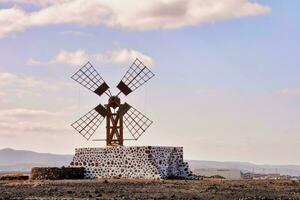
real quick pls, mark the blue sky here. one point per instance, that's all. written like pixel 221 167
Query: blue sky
pixel 231 87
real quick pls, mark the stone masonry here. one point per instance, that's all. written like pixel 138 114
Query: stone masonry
pixel 149 162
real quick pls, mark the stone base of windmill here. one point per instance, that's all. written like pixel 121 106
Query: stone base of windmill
pixel 145 162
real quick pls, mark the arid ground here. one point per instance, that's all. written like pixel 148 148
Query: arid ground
pixel 143 189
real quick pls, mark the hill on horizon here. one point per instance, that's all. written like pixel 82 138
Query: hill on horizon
pixel 23 160
pixel 292 170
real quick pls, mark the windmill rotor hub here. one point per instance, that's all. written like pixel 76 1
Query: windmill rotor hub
pixel 114 101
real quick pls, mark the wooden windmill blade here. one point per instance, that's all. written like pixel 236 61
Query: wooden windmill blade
pixel 136 122
pixel 136 76
pixel 88 123
pixel 88 77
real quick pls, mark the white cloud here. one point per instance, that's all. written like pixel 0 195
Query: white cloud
pixel 19 128
pixel 290 92
pixel 7 78
pixel 25 114
pixel 77 57
pixel 34 2
pixel 15 90
pixel 12 20
pixel 73 58
pixel 14 86
pixel 19 121
pixel 32 61
pixel 131 14
pixel 2 97
pixel 80 57
pixel 123 56
pixel 16 81
pixel 76 33
pixel 22 90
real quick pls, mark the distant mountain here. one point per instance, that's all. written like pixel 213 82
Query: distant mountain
pixel 292 170
pixel 19 160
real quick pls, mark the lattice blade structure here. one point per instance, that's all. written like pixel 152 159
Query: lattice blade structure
pixel 137 75
pixel 88 124
pixel 136 122
pixel 90 79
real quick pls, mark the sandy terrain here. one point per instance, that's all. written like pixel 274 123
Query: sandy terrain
pixel 143 189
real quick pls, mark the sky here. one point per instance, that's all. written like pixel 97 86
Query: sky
pixel 226 83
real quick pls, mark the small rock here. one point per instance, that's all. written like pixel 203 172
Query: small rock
pixel 98 195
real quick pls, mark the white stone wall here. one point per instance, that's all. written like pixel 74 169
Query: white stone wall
pixel 150 162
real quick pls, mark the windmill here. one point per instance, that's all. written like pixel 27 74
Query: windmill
pixel 117 114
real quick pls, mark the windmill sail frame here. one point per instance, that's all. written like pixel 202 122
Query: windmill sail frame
pixel 117 115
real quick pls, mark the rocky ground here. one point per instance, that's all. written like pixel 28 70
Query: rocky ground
pixel 143 189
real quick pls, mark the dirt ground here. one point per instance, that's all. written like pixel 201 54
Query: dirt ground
pixel 145 189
